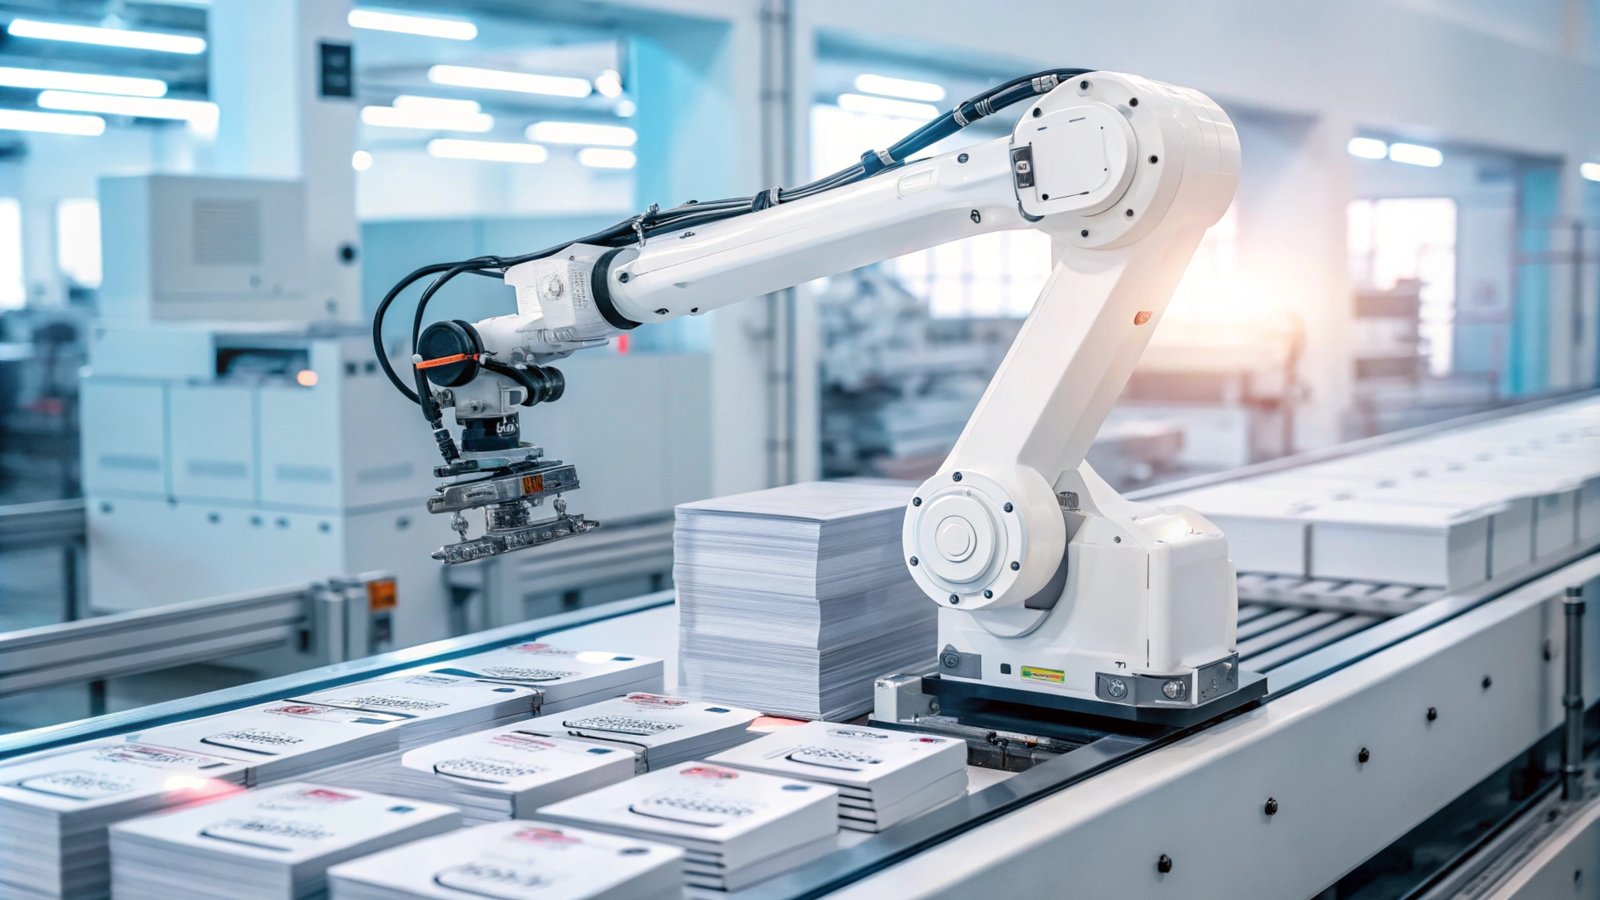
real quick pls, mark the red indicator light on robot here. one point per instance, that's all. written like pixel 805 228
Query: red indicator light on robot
pixel 622 343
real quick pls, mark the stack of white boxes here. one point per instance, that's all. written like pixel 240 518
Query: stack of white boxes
pixel 659 730
pixel 275 842
pixel 736 827
pixel 515 860
pixel 1426 512
pixel 55 808
pixel 883 776
pixel 507 773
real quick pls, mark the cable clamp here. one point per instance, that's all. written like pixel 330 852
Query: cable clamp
pixel 1044 84
pixel 960 119
pixel 766 199
pixel 638 222
pixel 983 108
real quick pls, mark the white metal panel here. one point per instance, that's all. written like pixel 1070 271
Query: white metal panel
pixel 213 438
pixel 194 247
pixel 124 437
pixel 147 553
pixel 1567 866
pixel 300 453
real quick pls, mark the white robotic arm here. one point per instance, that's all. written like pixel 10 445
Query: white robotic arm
pixel 1047 579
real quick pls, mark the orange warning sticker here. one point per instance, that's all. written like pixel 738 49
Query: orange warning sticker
pixel 382 594
pixel 532 484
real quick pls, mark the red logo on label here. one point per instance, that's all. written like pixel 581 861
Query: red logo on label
pixel 542 648
pixel 545 836
pixel 654 700
pixel 324 795
pixel 709 772
pixel 1141 317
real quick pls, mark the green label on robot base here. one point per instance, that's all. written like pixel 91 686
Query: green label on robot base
pixel 1034 673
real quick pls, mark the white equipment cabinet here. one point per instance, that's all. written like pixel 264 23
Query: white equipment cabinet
pixel 247 457
pixel 228 445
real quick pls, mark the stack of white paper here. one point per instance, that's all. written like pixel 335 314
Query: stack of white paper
pixel 660 730
pixel 515 861
pixel 507 773
pixel 55 808
pixel 431 706
pixel 883 776
pixel 273 842
pixel 792 600
pixel 284 740
pixel 565 678
pixel 736 827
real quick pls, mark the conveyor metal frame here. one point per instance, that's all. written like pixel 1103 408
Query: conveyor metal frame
pixel 329 617
pixel 314 679
pixel 1301 749
pixel 1440 697
pixel 47 524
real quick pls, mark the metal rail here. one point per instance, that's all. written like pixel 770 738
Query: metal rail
pixel 353 669
pixel 47 524
pixel 325 619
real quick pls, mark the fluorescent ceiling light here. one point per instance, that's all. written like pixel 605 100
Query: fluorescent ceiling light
pixel 160 42
pixel 361 160
pixel 426 119
pixel 500 80
pixel 582 133
pixel 1415 155
pixel 401 23
pixel 883 106
pixel 1368 148
pixel 45 79
pixel 491 151
pixel 50 123
pixel 626 108
pixel 1590 170
pixel 436 104
pixel 903 88
pixel 195 112
pixel 606 158
pixel 609 83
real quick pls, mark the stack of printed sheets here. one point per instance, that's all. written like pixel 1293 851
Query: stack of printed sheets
pixel 792 600
pixel 55 807
pixel 883 776
pixel 515 861
pixel 736 827
pixel 273 842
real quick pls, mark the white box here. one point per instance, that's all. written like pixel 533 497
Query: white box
pixel 1399 543
pixel 1264 529
pixel 1510 520
pixel 193 247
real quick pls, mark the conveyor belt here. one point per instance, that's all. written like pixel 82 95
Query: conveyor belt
pixel 1296 631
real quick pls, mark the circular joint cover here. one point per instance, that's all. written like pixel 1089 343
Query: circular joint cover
pixel 964 540
pixel 442 340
